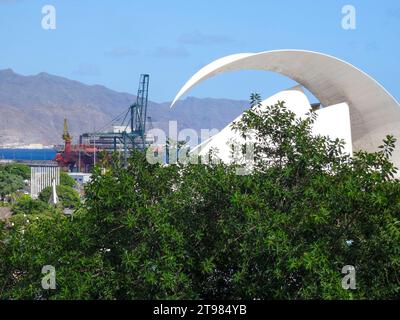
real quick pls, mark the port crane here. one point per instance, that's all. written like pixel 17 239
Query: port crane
pixel 129 134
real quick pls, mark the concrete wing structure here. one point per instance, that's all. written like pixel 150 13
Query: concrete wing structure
pixel 333 121
pixel 374 113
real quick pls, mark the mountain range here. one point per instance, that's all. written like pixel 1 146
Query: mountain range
pixel 32 109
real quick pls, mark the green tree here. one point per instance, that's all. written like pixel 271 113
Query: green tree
pixel 26 205
pixel 18 169
pixel 202 231
pixel 10 183
pixel 66 180
pixel 68 196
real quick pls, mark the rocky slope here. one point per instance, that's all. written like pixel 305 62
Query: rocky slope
pixel 32 108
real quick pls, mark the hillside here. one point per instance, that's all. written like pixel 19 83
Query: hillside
pixel 32 108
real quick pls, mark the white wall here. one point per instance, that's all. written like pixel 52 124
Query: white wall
pixel 333 121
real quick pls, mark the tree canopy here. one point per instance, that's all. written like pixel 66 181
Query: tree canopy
pixel 10 183
pixel 18 169
pixel 285 231
pixel 66 180
pixel 68 197
pixel 26 205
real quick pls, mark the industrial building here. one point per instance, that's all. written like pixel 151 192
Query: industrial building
pixel 80 177
pixel 43 177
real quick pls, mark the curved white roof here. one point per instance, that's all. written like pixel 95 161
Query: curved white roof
pixel 374 113
pixel 333 121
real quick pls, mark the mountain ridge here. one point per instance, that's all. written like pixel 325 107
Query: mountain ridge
pixel 32 108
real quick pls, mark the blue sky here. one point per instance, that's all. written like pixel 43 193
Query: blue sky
pixel 112 42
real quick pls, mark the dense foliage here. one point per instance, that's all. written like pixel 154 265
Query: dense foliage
pixel 17 169
pixel 26 205
pixel 10 183
pixel 68 197
pixel 202 231
pixel 66 180
pixel 12 178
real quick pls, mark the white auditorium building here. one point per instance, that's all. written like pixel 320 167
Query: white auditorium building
pixel 356 108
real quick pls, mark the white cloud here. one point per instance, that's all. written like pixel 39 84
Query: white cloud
pixel 198 38
pixel 168 52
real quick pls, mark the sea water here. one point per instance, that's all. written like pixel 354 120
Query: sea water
pixel 27 154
